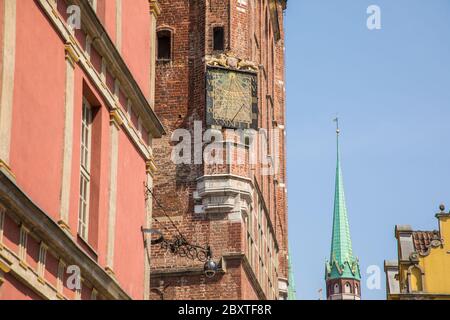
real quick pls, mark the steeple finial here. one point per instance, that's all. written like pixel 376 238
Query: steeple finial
pixel 337 125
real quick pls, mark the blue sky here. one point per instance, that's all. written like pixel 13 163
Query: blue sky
pixel 391 90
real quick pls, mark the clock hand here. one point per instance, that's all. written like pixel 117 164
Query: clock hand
pixel 239 111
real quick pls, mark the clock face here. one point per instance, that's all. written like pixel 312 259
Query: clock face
pixel 231 99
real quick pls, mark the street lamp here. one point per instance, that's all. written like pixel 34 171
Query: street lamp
pixel 210 268
pixel 181 247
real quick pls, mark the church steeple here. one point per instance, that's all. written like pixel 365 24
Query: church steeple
pixel 342 271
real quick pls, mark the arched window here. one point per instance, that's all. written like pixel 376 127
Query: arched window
pixel 347 288
pixel 164 45
pixel 356 290
pixel 336 289
pixel 415 279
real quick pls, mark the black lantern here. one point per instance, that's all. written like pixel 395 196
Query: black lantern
pixel 181 247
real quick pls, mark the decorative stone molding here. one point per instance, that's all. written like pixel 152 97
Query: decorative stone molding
pixel 155 8
pixel 71 54
pixel 225 193
pixel 229 61
pixel 5 264
pixel 110 272
pixel 6 169
pixel 151 166
pixel 5 267
pixel 64 226
pixel 414 257
pixel 116 119
pixel 2 277
pixel 436 242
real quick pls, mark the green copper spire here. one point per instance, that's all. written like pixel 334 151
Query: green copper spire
pixel 342 263
pixel 292 294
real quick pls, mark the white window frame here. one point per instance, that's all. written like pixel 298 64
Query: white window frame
pixel 60 277
pixel 88 46
pixel 85 170
pixel 23 243
pixel 42 260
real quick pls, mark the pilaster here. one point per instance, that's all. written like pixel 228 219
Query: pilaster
pixel 72 59
pixel 8 56
pixel 151 169
pixel 155 11
pixel 115 124
pixel 119 25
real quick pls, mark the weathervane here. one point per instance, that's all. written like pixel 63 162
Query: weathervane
pixel 337 125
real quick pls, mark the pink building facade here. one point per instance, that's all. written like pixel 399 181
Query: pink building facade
pixel 77 123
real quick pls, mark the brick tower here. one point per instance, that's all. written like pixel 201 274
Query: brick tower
pixel 342 272
pixel 220 72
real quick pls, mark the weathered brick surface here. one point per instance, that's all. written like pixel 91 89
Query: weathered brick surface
pixel 250 34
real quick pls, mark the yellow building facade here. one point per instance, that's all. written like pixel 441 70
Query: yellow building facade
pixel 422 269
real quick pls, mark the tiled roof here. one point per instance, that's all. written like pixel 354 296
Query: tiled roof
pixel 422 240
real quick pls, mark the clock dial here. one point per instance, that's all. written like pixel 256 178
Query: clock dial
pixel 231 99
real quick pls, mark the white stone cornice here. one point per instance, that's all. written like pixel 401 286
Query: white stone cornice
pixel 22 209
pixel 225 193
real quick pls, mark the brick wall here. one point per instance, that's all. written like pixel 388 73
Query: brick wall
pixel 249 34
